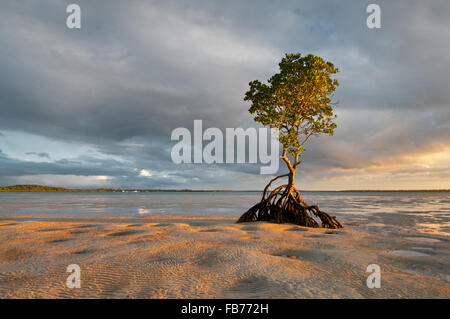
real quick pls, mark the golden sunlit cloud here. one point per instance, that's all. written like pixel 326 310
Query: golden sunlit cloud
pixel 417 170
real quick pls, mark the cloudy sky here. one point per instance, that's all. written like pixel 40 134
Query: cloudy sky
pixel 95 107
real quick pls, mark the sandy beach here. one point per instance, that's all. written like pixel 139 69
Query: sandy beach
pixel 212 257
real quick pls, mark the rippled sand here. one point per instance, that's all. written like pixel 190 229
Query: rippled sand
pixel 212 257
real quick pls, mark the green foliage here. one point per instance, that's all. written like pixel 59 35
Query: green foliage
pixel 296 101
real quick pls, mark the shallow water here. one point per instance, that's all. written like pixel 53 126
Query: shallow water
pixel 381 212
pixel 151 245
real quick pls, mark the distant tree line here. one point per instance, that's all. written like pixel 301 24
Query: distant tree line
pixel 49 189
pixel 40 188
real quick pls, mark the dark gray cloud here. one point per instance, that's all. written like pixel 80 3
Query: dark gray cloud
pixel 138 69
pixel 41 154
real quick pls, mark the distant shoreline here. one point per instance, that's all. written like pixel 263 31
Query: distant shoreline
pixel 50 189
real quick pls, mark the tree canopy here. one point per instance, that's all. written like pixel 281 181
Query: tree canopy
pixel 297 101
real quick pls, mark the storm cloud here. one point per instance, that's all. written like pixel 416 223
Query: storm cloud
pixel 96 106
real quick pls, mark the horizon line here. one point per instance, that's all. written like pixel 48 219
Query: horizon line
pixel 62 189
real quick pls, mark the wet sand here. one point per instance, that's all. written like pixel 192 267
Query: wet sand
pixel 212 257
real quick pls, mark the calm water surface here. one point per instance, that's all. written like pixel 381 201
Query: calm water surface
pixel 425 212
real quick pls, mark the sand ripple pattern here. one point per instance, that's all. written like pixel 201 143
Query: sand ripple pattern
pixel 213 258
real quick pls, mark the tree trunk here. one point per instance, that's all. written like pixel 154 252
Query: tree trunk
pixel 291 182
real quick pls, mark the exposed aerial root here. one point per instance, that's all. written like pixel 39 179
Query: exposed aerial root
pixel 284 205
